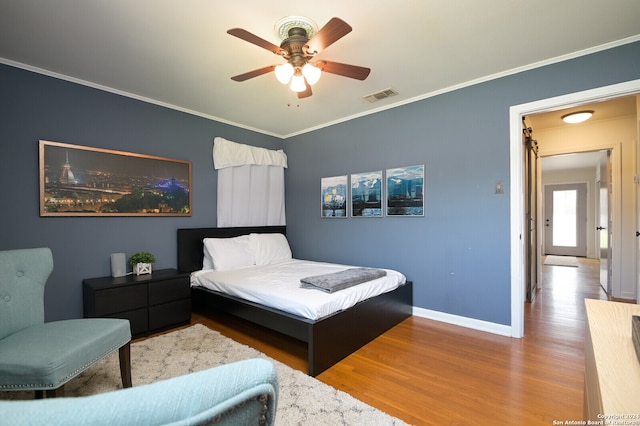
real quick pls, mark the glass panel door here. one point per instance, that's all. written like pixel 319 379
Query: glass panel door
pixel 564 218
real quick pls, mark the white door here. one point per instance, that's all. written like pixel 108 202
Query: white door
pixel 604 227
pixel 565 219
pixel 531 211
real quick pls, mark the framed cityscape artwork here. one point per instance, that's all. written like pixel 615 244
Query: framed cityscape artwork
pixel 82 181
pixel 405 191
pixel 334 197
pixel 366 194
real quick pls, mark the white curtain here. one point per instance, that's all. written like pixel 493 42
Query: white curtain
pixel 250 184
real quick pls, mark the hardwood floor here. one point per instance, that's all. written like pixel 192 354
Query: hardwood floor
pixel 430 373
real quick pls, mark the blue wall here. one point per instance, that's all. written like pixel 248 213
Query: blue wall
pixel 34 107
pixel 458 255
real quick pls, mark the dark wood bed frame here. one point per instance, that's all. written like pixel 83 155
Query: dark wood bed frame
pixel 328 339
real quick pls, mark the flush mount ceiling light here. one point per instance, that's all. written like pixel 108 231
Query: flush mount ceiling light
pixel 301 42
pixel 577 117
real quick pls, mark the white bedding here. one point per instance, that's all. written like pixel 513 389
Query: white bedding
pixel 277 285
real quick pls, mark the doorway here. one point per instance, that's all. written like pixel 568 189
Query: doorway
pixel 518 227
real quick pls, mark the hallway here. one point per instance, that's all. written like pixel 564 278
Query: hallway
pixel 558 309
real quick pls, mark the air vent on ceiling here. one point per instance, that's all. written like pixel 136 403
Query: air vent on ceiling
pixel 375 97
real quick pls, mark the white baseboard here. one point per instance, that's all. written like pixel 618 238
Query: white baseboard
pixel 490 327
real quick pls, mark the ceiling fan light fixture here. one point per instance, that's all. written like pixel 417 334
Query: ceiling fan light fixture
pixel 577 117
pixel 297 83
pixel 311 73
pixel 284 72
pixel 301 42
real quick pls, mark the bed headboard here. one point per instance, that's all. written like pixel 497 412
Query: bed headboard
pixel 190 248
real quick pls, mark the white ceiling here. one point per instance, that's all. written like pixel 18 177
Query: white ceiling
pixel 609 109
pixel 178 54
pixel 606 110
pixel 583 160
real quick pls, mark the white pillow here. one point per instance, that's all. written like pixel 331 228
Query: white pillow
pixel 223 254
pixel 269 248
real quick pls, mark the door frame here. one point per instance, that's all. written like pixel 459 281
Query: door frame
pixel 516 176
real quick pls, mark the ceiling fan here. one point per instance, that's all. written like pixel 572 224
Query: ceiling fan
pixel 300 46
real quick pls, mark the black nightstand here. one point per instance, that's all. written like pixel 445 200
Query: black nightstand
pixel 152 302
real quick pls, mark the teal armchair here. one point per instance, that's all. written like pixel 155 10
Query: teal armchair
pixel 39 356
pixel 237 394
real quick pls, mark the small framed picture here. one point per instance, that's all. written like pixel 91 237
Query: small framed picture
pixel 405 191
pixel 334 196
pixel 366 194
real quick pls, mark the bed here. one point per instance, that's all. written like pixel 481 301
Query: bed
pixel 329 338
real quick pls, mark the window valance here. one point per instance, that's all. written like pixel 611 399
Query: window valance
pixel 231 154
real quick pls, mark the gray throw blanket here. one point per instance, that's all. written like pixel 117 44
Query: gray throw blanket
pixel 341 280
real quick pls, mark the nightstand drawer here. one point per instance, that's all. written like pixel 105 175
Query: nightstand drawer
pixel 169 314
pixel 169 290
pixel 120 299
pixel 138 320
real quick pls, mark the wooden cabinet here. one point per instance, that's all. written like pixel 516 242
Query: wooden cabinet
pixel 612 370
pixel 152 303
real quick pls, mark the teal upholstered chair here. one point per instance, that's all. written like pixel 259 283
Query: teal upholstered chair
pixel 39 356
pixel 242 393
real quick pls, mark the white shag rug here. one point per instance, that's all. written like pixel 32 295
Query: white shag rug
pixel 303 400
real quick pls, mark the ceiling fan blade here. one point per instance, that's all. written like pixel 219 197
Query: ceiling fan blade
pixel 254 73
pixel 307 92
pixel 333 31
pixel 345 70
pixel 254 39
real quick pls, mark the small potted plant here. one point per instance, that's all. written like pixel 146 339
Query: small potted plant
pixel 141 262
